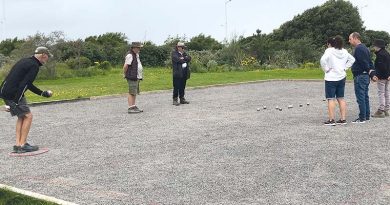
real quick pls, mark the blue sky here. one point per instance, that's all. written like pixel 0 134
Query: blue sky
pixel 156 20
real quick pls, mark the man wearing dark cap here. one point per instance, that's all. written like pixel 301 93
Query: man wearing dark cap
pixel 19 79
pixel 132 71
pixel 382 77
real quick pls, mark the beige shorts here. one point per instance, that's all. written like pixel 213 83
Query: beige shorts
pixel 133 87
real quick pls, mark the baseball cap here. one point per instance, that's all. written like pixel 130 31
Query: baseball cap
pixel 43 50
pixel 180 44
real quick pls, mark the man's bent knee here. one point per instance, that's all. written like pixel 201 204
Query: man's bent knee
pixel 28 116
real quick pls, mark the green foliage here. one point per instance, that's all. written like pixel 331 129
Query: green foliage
pixel 63 71
pixel 259 46
pixel 3 60
pixel 335 17
pixel 48 71
pixel 231 54
pixel 8 45
pixel 202 42
pixel 10 198
pixel 78 63
pixel 310 65
pixel 159 79
pixel 369 36
pixel 303 50
pixel 283 59
pixel 212 65
pixel 294 44
pixel 108 47
pixel 105 65
pixel 171 42
pixel 152 55
pixel 4 70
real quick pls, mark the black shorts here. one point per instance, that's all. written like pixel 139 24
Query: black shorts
pixel 20 109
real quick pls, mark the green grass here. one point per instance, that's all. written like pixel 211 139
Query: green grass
pixel 156 79
pixel 11 198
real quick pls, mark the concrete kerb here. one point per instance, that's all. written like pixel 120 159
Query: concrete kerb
pixel 36 195
pixel 161 91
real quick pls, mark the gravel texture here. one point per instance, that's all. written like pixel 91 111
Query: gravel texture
pixel 217 150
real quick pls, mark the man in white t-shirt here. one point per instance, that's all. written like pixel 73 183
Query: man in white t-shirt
pixel 132 71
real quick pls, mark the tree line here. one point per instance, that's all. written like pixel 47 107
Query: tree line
pixel 296 43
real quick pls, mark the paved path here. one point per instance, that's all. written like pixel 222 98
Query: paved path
pixel 217 150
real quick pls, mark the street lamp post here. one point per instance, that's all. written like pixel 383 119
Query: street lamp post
pixel 361 9
pixel 226 21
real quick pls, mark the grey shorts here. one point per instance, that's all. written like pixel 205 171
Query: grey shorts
pixel 133 87
pixel 20 109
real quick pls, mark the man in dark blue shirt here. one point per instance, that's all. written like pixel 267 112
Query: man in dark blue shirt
pixel 361 70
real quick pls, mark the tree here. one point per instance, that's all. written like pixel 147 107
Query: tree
pixel 171 42
pixel 8 45
pixel 152 55
pixel 335 17
pixel 369 36
pixel 202 42
pixel 114 45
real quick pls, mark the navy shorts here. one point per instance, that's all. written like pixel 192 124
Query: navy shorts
pixel 334 89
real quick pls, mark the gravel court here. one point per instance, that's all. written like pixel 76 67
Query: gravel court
pixel 217 150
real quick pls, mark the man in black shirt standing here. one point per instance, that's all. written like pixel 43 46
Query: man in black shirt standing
pixel 19 79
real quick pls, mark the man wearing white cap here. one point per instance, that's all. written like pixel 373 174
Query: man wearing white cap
pixel 19 79
pixel 181 73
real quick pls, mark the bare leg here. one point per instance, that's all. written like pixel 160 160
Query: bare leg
pixel 331 106
pixel 26 125
pixel 19 124
pixel 131 100
pixel 343 108
pixel 23 125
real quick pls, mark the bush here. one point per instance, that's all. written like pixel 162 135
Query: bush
pixel 212 65
pixel 310 65
pixel 48 71
pixel 283 59
pixel 63 71
pixel 105 65
pixel 232 54
pixel 77 63
pixel 4 70
pixel 152 55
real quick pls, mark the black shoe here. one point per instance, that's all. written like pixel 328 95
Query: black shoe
pixel 134 109
pixel 330 122
pixel 175 102
pixel 18 149
pixel 341 122
pixel 184 101
pixel 28 148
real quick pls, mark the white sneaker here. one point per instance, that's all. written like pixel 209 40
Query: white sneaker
pixel 359 121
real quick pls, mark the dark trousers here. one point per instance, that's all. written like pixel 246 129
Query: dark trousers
pixel 179 86
pixel 361 83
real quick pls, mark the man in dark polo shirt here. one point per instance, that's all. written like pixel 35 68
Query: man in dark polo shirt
pixel 361 69
pixel 19 79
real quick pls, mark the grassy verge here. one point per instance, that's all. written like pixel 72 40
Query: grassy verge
pixel 9 197
pixel 157 79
